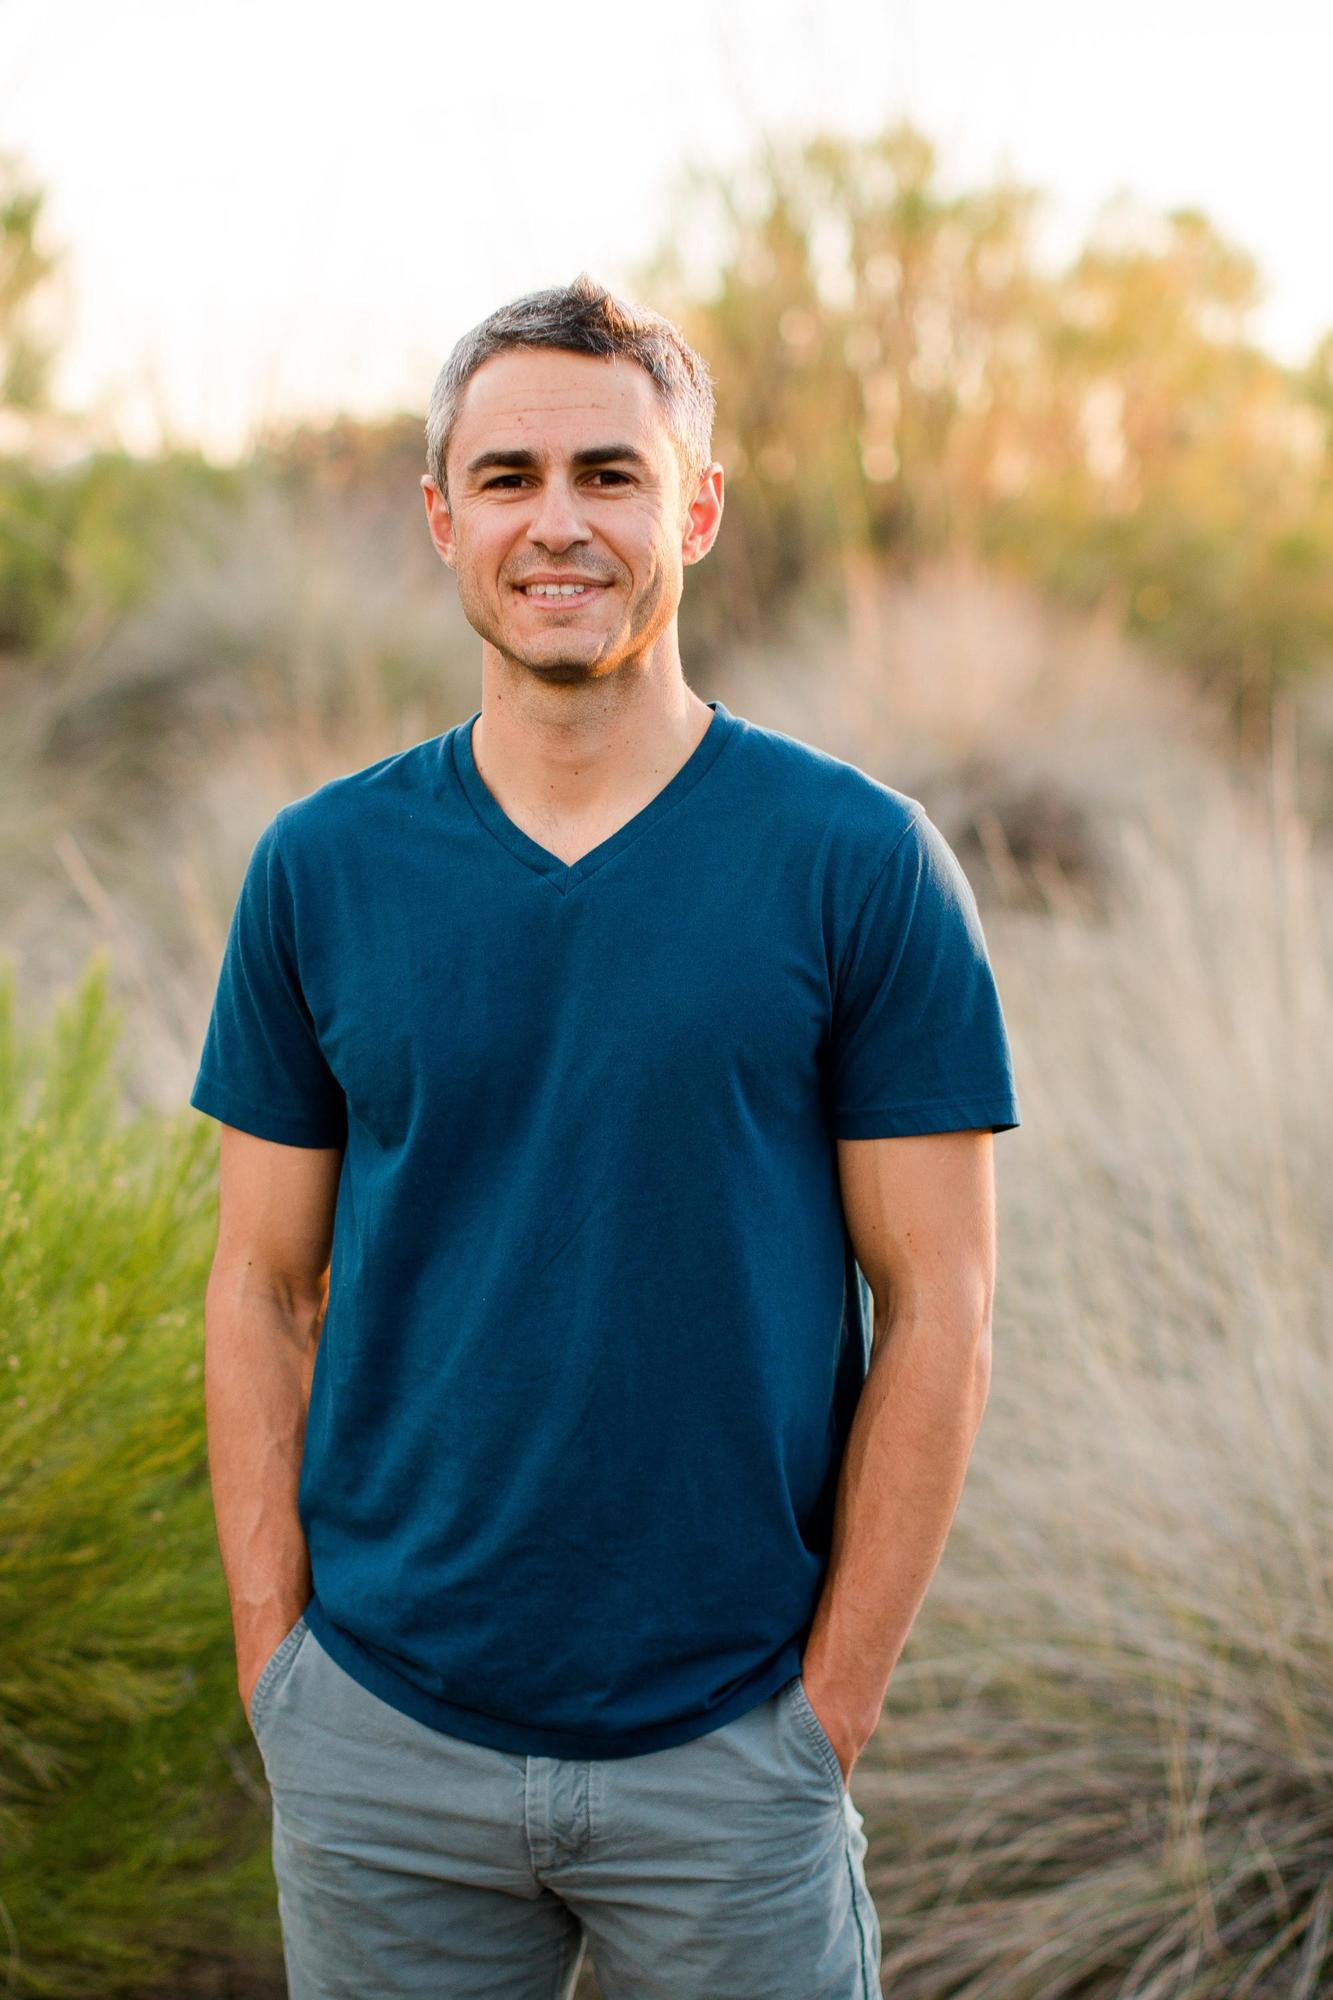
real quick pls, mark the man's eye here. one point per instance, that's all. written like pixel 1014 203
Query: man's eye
pixel 602 472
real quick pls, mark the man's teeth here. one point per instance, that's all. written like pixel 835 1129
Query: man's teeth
pixel 557 589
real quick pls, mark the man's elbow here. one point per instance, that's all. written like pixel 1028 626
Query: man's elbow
pixel 981 1365
pixel 243 1280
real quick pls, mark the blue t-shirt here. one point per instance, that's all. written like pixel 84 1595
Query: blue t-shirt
pixel 595 1330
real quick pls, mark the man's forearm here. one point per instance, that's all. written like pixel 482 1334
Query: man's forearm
pixel 259 1355
pixel 902 1476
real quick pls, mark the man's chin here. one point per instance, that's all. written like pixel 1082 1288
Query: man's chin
pixel 556 667
pixel 569 673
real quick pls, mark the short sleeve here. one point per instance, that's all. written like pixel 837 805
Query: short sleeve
pixel 262 1067
pixel 918 1040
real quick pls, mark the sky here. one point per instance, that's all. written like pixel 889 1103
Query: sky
pixel 289 208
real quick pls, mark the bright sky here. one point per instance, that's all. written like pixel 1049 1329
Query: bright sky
pixel 286 205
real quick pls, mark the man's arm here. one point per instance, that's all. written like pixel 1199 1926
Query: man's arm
pixel 263 1311
pixel 921 1215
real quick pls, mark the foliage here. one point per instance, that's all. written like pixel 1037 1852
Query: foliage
pixel 131 1818
pixel 81 546
pixel 896 377
pixel 26 266
pixel 87 539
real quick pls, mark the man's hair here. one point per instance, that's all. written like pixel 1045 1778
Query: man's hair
pixel 585 319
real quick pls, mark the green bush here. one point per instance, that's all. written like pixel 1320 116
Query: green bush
pixel 132 1806
pixel 88 543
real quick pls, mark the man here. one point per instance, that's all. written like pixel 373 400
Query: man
pixel 577 1069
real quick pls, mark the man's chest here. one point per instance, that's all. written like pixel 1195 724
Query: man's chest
pixel 625 998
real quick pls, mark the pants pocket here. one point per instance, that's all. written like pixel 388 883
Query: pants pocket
pixel 815 1735
pixel 278 1659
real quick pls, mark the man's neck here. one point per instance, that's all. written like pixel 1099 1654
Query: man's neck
pixel 572 769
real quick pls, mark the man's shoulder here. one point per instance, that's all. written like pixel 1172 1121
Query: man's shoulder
pixel 396 783
pixel 814 785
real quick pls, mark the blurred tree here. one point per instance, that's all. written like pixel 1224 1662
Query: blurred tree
pixel 26 353
pixel 30 546
pixel 895 377
pixel 81 541
pixel 865 331
pixel 1166 459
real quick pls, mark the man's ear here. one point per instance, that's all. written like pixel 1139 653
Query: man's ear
pixel 438 520
pixel 703 516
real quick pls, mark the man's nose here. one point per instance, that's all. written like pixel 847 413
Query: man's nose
pixel 557 519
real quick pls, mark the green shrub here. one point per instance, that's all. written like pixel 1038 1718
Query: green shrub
pixel 82 546
pixel 132 1807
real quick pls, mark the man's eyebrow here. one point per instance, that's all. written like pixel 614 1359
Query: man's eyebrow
pixel 603 454
pixel 519 458
pixel 525 461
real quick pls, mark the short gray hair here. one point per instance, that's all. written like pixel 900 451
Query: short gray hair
pixel 585 319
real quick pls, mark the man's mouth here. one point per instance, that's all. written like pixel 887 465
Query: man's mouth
pixel 560 596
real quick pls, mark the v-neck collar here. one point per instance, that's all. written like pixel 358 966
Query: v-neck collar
pixel 564 875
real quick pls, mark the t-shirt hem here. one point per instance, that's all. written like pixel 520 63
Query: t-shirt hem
pixel 954 1114
pixel 218 1101
pixel 533 1740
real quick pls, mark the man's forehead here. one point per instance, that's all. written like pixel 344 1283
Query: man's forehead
pixel 526 389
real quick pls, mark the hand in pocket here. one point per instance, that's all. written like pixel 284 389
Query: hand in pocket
pixel 259 1661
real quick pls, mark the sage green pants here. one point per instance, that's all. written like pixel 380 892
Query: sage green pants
pixel 410 1863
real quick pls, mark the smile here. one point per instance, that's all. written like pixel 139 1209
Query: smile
pixel 560 596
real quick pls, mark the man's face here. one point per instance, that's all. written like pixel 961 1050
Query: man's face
pixel 561 466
